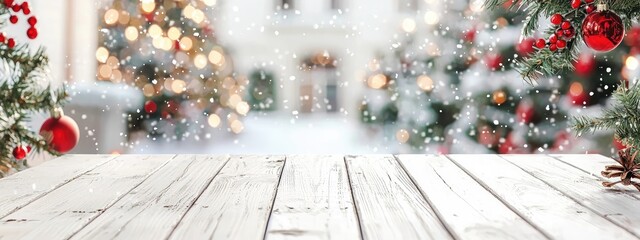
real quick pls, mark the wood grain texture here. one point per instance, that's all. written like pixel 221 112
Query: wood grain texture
pixel 153 209
pixel 551 211
pixel 389 205
pixel 24 187
pixel 237 203
pixel 313 201
pixel 582 187
pixel 63 212
pixel 468 210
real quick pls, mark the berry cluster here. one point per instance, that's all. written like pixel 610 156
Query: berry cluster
pixel 32 32
pixel 564 30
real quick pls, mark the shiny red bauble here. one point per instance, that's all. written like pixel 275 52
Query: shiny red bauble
pixel 150 107
pixel 20 152
pixel 525 47
pixel 493 61
pixel 61 133
pixel 602 30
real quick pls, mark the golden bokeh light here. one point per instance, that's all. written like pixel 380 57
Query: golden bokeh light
pixel 178 86
pixel 431 17
pixel 402 136
pixel 186 43
pixel 236 126
pixel 197 16
pixel 499 97
pixel 408 25
pixel 214 120
pixel 631 63
pixel 104 71
pixel 155 31
pixel 131 33
pixel 111 16
pixel 377 81
pixel 209 2
pixel 174 33
pixel 425 83
pixel 576 89
pixel 102 54
pixel 216 57
pixel 200 61
pixel 187 12
pixel 242 108
pixel 148 5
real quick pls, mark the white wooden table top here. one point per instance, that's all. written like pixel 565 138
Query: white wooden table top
pixel 317 197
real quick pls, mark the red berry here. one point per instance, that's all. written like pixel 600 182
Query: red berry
pixel 559 33
pixel 32 33
pixel 8 2
pixel 11 43
pixel 25 8
pixel 16 8
pixel 553 47
pixel 589 1
pixel 556 19
pixel 575 4
pixel 20 152
pixel 32 20
pixel 150 107
pixel 541 43
pixel 13 19
pixel 28 149
pixel 590 8
pixel 553 39
pixel 2 37
pixel 566 25
pixel 561 44
pixel 569 33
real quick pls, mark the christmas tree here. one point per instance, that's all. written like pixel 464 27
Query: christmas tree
pixel 168 49
pixel 25 89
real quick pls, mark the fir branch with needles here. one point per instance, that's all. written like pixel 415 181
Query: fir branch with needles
pixel 548 63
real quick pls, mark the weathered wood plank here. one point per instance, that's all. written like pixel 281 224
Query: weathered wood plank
pixel 313 201
pixel 63 212
pixel 583 188
pixel 20 189
pixel 548 209
pixel 468 210
pixel 237 203
pixel 388 204
pixel 153 209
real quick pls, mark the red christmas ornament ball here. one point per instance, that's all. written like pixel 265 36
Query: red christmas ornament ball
pixel 525 47
pixel 585 64
pixel 20 152
pixel 32 33
pixel 525 112
pixel 493 61
pixel 633 37
pixel 556 19
pixel 61 133
pixel 150 107
pixel 602 30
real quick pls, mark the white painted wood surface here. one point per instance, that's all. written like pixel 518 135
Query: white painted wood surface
pixel 389 205
pixel 470 211
pixel 317 197
pixel 548 209
pixel 238 202
pixel 63 212
pixel 313 201
pixel 21 189
pixel 155 207
pixel 621 209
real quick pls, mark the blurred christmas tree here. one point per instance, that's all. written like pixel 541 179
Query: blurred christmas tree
pixel 168 49
pixel 262 90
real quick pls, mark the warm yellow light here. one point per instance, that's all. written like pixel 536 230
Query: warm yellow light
pixel 200 61
pixel 425 82
pixel 234 100
pixel 131 33
pixel 576 89
pixel 187 12
pixel 209 2
pixel 167 44
pixel 178 86
pixel 102 54
pixel 148 90
pixel 431 17
pixel 197 16
pixel 111 16
pixel 377 81
pixel 631 63
pixel 158 43
pixel 216 57
pixel 186 43
pixel 104 71
pixel 402 136
pixel 242 108
pixel 174 33
pixel 214 120
pixel 155 31
pixel 148 5
pixel 236 126
pixel 408 25
pixel 113 62
pixel 476 6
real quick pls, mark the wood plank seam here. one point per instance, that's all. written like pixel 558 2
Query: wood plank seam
pixel 56 187
pixel 198 197
pixel 122 196
pixel 355 206
pixel 595 175
pixel 275 196
pixel 513 209
pixel 438 214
